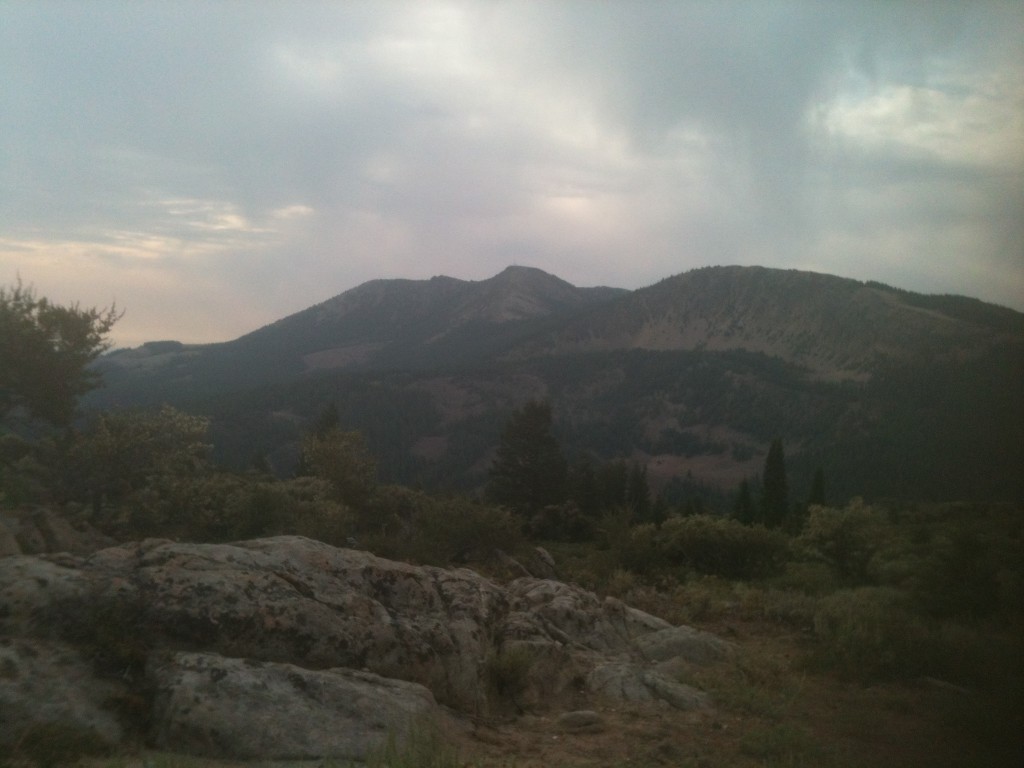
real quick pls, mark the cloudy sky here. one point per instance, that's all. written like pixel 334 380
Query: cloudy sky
pixel 214 166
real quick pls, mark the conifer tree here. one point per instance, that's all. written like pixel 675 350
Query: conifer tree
pixel 775 491
pixel 529 471
pixel 743 509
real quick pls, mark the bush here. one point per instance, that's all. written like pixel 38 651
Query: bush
pixel 508 672
pixel 846 539
pixel 870 633
pixel 722 547
pixel 971 570
pixel 639 551
pixel 304 506
pixel 441 531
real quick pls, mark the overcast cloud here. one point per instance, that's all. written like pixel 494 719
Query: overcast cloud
pixel 214 166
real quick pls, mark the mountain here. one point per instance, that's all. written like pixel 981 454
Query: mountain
pixel 836 328
pixel 892 393
pixel 382 324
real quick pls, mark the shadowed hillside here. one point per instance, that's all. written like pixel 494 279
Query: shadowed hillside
pixel 891 393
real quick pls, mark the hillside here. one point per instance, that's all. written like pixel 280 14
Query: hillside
pixel 836 328
pixel 382 324
pixel 892 393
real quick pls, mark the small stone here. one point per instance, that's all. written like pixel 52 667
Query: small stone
pixel 581 721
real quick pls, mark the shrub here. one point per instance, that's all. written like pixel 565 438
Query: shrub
pixel 722 546
pixel 870 633
pixel 639 550
pixel 846 539
pixel 440 531
pixel 508 671
pixel 305 506
pixel 969 572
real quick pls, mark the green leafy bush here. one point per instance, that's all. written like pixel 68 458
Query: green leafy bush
pixel 846 539
pixel 304 506
pixel 722 546
pixel 440 531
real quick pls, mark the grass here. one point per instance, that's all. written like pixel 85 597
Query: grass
pixel 424 746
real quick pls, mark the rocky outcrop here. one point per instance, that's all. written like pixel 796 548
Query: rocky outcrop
pixel 629 681
pixel 210 705
pixel 287 647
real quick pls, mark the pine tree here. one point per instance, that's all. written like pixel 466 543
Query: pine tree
pixel 743 510
pixel 529 471
pixel 775 491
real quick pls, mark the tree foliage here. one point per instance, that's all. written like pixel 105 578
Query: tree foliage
pixel 743 507
pixel 529 471
pixel 775 491
pixel 125 455
pixel 45 351
pixel 342 459
pixel 721 546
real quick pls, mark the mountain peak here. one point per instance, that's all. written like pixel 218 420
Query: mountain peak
pixel 519 272
pixel 520 293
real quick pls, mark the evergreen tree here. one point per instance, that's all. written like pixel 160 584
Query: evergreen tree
pixel 775 491
pixel 529 471
pixel 743 510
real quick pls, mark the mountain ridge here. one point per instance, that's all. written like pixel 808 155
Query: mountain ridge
pixel 836 327
pixel 693 375
pixel 718 306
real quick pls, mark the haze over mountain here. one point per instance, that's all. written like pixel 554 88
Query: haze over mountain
pixel 893 393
